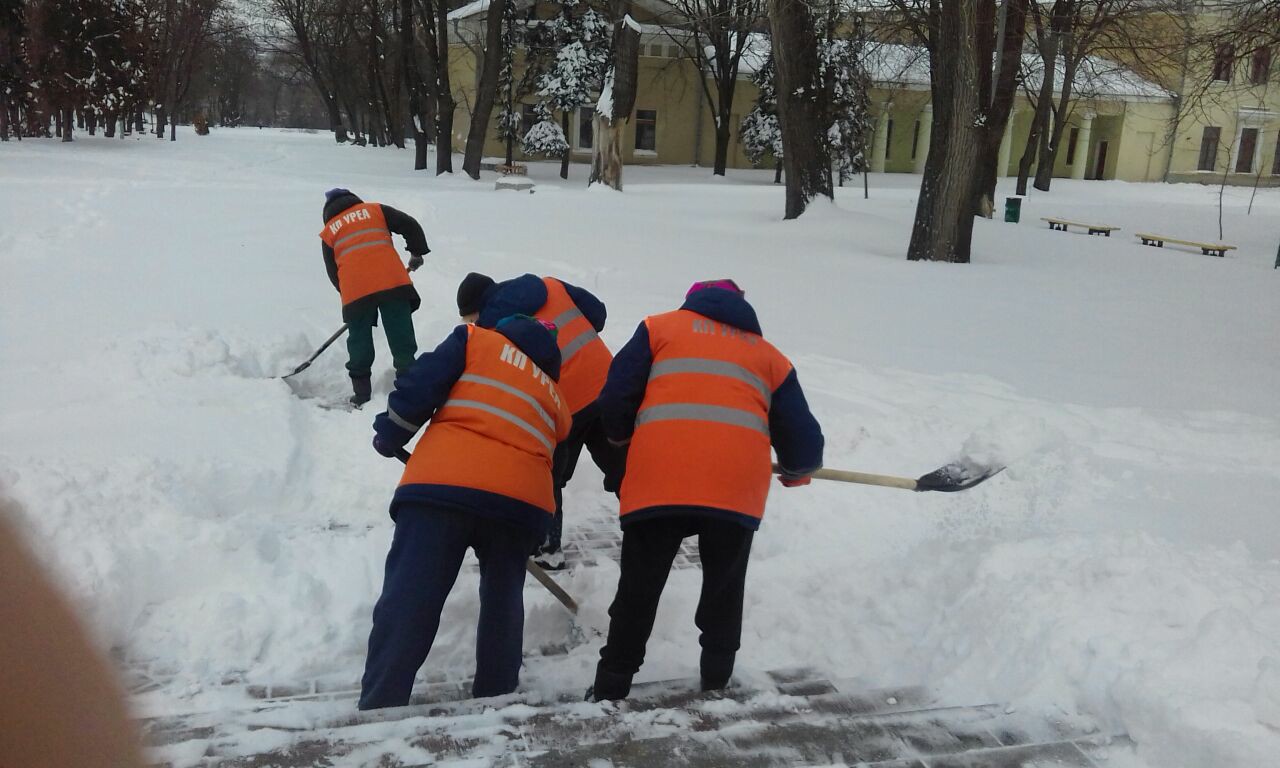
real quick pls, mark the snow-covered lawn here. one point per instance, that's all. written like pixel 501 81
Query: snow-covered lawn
pixel 214 525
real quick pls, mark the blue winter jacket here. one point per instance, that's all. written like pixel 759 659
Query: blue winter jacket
pixel 425 387
pixel 526 294
pixel 794 432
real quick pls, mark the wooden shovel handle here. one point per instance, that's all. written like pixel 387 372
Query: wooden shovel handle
pixel 862 478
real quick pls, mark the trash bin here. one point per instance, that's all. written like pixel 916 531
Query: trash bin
pixel 1012 209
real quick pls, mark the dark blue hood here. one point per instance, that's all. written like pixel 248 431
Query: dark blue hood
pixel 522 295
pixel 536 342
pixel 725 307
pixel 339 203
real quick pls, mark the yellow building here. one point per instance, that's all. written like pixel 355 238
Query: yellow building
pixel 1121 126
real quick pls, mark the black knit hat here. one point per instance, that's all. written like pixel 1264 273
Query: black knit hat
pixel 471 292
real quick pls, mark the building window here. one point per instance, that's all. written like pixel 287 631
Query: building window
pixel 647 130
pixel 1224 60
pixel 915 141
pixel 1248 150
pixel 1071 146
pixel 528 118
pixel 1260 71
pixel 1209 148
pixel 586 129
pixel 888 140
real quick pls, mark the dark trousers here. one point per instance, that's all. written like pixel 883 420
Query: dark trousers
pixel 397 323
pixel 426 554
pixel 648 549
pixel 588 431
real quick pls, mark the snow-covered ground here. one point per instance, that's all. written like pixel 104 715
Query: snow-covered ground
pixel 215 526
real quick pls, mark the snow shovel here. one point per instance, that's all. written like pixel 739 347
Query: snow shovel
pixel 957 476
pixel 328 342
pixel 533 568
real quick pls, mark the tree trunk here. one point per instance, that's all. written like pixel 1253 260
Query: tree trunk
pixel 777 172
pixel 413 79
pixel 109 125
pixel 173 129
pixel 724 119
pixel 445 104
pixel 618 99
pixel 68 124
pixel 1028 158
pixel 1000 109
pixel 806 158
pixel 568 150
pixel 724 133
pixel 4 118
pixel 487 90
pixel 1049 45
pixel 943 226
pixel 1048 161
pixel 139 125
pixel 335 118
pixel 160 122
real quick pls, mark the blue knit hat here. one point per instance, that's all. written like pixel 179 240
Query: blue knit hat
pixel 335 192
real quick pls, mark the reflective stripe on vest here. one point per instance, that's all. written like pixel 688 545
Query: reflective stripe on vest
pixel 502 414
pixel 364 252
pixel 735 417
pixel 702 431
pixel 711 368
pixel 584 358
pixel 498 428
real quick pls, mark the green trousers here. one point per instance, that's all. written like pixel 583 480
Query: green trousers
pixel 397 322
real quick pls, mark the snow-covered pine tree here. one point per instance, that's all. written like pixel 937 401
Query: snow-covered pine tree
pixel 574 63
pixel 546 137
pixel 509 117
pixel 850 104
pixel 760 132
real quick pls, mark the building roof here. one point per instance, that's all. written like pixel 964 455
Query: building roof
pixel 892 64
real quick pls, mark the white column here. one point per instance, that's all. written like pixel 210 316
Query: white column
pixel 880 142
pixel 926 129
pixel 1006 148
pixel 1082 145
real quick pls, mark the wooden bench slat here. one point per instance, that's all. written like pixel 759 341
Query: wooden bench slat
pixel 1079 224
pixel 1164 239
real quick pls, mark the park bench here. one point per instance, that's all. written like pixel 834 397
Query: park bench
pixel 1094 229
pixel 1208 249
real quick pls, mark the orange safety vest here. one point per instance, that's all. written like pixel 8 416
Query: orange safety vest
pixel 702 432
pixel 584 358
pixel 367 259
pixel 498 429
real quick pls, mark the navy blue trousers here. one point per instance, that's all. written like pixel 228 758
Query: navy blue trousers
pixel 587 431
pixel 422 566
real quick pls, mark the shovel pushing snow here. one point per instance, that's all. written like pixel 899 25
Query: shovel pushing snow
pixel 328 342
pixel 533 568
pixel 957 476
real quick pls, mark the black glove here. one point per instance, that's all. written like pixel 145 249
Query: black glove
pixel 384 446
pixel 415 261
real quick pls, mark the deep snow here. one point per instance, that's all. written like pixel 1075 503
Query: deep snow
pixel 215 526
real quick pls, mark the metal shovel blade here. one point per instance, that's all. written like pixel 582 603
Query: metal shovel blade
pixel 956 477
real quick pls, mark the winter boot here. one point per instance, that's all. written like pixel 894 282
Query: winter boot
pixel 609 686
pixel 717 668
pixel 549 560
pixel 362 386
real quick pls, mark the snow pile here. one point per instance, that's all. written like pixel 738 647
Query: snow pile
pixel 218 525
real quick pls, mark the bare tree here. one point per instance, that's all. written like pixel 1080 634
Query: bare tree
pixel 617 97
pixel 806 158
pixel 488 88
pixel 943 228
pixel 714 35
pixel 308 24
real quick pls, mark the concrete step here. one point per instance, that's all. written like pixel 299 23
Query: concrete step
pixel 785 718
